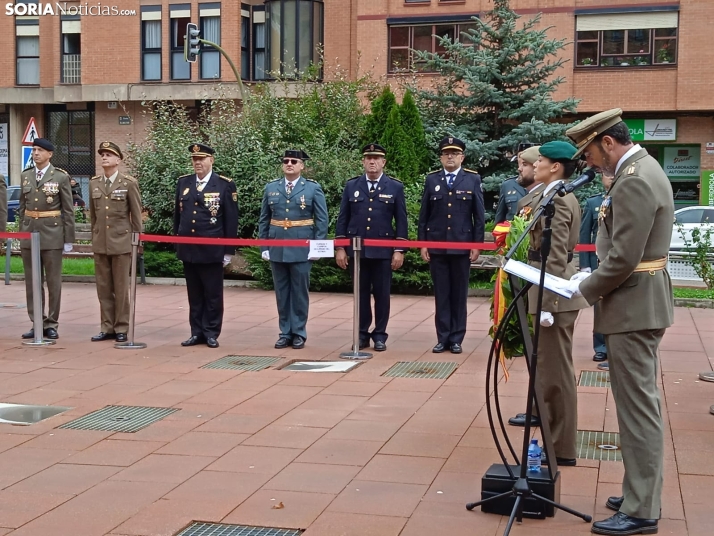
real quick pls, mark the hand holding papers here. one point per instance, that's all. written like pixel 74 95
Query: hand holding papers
pixel 560 286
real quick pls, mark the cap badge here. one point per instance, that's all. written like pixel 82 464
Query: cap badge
pixel 196 148
pixel 451 140
pixel 105 144
pixel 371 147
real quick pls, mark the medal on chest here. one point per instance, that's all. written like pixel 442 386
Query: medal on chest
pixel 212 200
pixel 302 202
pixel 604 208
pixel 525 213
pixel 50 189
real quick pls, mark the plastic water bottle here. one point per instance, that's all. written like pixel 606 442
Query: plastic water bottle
pixel 534 452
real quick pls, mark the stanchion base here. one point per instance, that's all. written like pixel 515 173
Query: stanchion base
pixel 43 342
pixel 355 355
pixel 130 345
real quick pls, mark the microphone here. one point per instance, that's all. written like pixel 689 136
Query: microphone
pixel 587 177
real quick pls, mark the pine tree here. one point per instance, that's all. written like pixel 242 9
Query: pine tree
pixel 496 90
pixel 376 122
pixel 414 130
pixel 401 161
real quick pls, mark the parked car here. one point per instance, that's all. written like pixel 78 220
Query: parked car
pixel 689 218
pixel 13 202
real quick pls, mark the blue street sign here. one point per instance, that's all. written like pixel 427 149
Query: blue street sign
pixel 27 157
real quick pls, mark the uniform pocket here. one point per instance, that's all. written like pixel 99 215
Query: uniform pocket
pixel 436 197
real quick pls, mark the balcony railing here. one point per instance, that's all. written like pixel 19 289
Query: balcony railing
pixel 72 69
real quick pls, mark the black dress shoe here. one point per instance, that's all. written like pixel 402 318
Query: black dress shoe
pixel 455 348
pixel 211 342
pixel 439 348
pixel 622 524
pixel 102 336
pixel 283 342
pixel 363 344
pixel 121 337
pixel 29 334
pixel 193 340
pixel 380 346
pixel 599 357
pixel 51 333
pixel 614 503
pixel 520 420
pixel 298 342
pixel 563 462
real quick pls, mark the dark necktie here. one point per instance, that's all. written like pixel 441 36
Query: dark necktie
pixel 372 186
pixel 107 183
pixel 450 180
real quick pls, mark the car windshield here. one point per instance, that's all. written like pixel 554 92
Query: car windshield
pixel 13 194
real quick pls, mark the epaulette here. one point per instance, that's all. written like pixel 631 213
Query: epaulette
pixel 311 180
pixel 96 177
pixel 470 170
pixel 631 170
pixel 184 176
pixel 130 178
pixel 354 178
pixel 225 178
pixel 275 180
pixel 62 170
pixel 435 171
pixel 28 168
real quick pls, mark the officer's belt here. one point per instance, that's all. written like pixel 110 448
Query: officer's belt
pixel 534 255
pixel 291 223
pixel 43 213
pixel 652 266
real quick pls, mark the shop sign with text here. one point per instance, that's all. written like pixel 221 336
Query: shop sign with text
pixel 682 161
pixel 652 129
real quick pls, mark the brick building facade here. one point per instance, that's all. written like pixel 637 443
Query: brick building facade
pixel 84 74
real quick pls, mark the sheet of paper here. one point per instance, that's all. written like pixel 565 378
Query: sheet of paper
pixel 322 248
pixel 529 273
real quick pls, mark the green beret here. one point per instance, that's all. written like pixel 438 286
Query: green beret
pixel 558 151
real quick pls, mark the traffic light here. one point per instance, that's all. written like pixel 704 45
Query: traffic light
pixel 191 43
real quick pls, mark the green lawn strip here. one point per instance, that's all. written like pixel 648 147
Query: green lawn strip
pixel 69 266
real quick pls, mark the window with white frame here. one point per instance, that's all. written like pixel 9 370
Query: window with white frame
pixel 210 58
pixel 151 43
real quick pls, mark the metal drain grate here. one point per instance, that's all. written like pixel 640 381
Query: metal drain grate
pixel 422 369
pixel 120 418
pixel 594 378
pixel 243 362
pixel 603 446
pixel 217 529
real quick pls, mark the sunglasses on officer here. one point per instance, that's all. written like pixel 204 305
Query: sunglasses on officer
pixel 293 161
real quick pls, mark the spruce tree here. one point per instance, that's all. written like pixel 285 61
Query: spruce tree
pixel 496 90
pixel 376 122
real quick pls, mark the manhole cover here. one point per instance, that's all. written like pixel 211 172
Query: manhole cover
pixel 120 418
pixel 243 362
pixel 422 369
pixel 25 414
pixel 218 529
pixel 321 366
pixel 604 446
pixel 594 378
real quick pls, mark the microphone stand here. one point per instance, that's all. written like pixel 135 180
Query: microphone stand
pixel 522 488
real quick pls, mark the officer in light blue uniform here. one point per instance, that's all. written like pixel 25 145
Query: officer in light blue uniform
pixel 293 208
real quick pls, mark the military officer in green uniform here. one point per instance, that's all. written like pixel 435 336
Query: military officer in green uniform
pixel 516 188
pixel 46 207
pixel 293 208
pixel 632 293
pixel 556 374
pixel 115 213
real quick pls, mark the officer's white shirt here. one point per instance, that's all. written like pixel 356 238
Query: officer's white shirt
pixel 636 147
pixel 113 177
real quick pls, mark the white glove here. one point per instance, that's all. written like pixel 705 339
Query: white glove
pixel 574 287
pixel 67 248
pixel 581 276
pixel 546 319
pixel 226 260
pixel 265 255
pixel 587 269
pixel 313 258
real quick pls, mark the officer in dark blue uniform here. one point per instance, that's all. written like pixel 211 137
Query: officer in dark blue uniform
pixel 206 206
pixel 588 259
pixel 293 208
pixel 452 211
pixel 516 188
pixel 373 206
